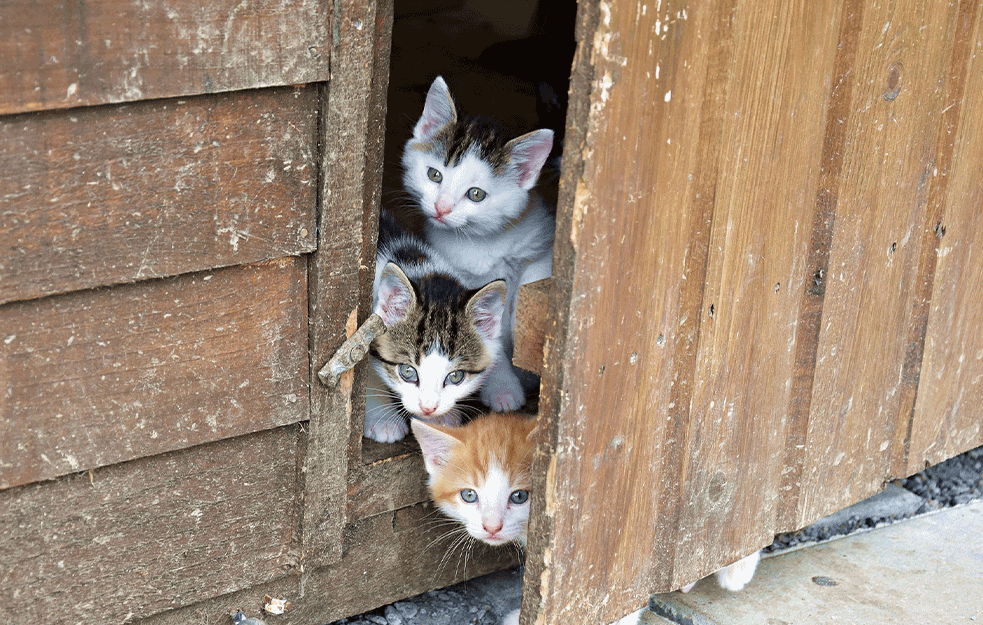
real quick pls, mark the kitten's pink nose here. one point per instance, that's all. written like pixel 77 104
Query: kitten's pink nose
pixel 492 527
pixel 443 206
pixel 427 410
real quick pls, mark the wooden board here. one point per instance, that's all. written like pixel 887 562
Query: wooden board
pixel 353 110
pixel 874 285
pixel 99 377
pixel 128 541
pixel 116 194
pixel 530 325
pixel 64 54
pixel 946 418
pixel 387 557
pixel 760 142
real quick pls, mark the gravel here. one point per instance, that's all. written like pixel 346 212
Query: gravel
pixel 954 482
pixel 485 600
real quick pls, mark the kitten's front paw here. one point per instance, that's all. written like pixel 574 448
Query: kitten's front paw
pixel 736 576
pixel 387 431
pixel 503 392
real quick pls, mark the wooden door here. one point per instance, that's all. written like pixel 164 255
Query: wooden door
pixel 767 272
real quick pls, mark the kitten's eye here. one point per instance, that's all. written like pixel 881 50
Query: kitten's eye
pixel 469 496
pixel 454 377
pixel 476 195
pixel 435 175
pixel 519 497
pixel 407 372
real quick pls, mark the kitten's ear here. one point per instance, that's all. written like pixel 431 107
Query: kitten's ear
pixel 529 152
pixel 395 296
pixel 438 111
pixel 436 444
pixel 486 308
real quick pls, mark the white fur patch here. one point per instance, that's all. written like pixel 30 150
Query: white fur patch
pixel 493 518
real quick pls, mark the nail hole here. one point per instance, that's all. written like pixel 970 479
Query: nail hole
pixel 660 340
pixel 778 287
pixel 939 230
pixel 894 247
pixel 712 311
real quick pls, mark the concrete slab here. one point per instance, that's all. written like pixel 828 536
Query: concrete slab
pixel 928 569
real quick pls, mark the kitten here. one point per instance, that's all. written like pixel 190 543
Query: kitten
pixel 736 576
pixel 441 340
pixel 473 186
pixel 480 476
pixel 481 473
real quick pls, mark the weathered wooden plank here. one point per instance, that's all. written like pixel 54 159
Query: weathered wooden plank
pixel 386 485
pixel 946 416
pixel 61 54
pixel 99 377
pixel 755 279
pixel 131 540
pixel 353 110
pixel 873 285
pixel 809 324
pixel 387 557
pixel 624 342
pixel 116 194
pixel 530 325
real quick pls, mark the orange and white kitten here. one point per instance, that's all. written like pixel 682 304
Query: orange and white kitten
pixel 481 473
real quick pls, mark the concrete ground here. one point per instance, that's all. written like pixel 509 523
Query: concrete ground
pixel 928 569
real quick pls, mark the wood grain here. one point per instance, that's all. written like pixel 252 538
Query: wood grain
pixel 530 325
pixel 386 485
pixel 771 138
pixel 61 54
pixel 98 377
pixel 758 273
pixel 875 278
pixel 135 539
pixel 353 110
pixel 946 419
pixel 116 194
pixel 387 557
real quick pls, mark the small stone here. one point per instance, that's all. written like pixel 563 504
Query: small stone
pixel 406 609
pixel 393 616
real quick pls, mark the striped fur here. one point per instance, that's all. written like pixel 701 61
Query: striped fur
pixel 443 333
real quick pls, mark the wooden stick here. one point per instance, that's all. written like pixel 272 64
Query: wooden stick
pixel 352 350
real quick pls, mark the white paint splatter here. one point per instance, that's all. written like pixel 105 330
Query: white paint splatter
pixel 668 95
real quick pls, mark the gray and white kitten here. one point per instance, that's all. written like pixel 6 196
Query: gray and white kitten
pixel 473 186
pixel 442 338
